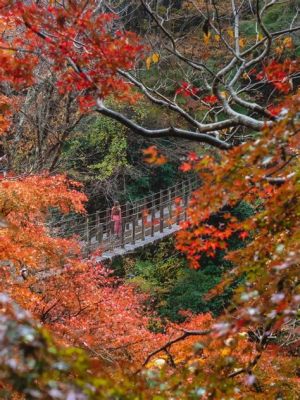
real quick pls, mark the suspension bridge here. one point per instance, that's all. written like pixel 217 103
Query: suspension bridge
pixel 143 222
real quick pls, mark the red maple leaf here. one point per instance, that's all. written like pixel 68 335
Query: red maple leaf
pixel 185 167
pixel 243 235
pixel 186 90
pixel 192 156
pixel 210 99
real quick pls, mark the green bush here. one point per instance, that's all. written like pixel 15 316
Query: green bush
pixel 275 18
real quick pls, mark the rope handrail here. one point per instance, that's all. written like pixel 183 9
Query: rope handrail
pixel 149 198
pixel 139 220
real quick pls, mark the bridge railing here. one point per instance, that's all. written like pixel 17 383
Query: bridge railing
pixel 140 220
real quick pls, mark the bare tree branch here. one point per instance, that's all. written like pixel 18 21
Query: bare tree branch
pixel 171 131
pixel 166 346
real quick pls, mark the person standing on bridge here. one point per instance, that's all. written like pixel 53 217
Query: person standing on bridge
pixel 116 217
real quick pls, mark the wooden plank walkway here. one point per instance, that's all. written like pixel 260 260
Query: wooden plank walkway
pixel 143 222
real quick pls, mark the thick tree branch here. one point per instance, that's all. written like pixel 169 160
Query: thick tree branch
pixel 171 131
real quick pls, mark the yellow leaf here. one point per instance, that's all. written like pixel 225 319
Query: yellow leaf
pixel 260 36
pixel 288 42
pixel 8 51
pixel 242 42
pixel 148 62
pixel 155 58
pixel 230 32
pixel 225 351
pixel 207 38
pixel 217 38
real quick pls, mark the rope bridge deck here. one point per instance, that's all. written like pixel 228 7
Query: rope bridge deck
pixel 143 222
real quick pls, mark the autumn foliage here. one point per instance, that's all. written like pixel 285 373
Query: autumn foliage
pixel 78 44
pixel 247 352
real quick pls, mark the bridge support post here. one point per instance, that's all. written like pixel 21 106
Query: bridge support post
pixel 144 216
pixel 178 196
pixel 133 229
pixel 123 235
pixel 87 234
pixel 99 230
pixel 170 207
pixel 108 223
pixel 161 212
pixel 153 219
pixel 185 193
pixel 186 201
pixel 127 213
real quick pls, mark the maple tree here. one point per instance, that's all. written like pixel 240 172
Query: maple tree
pixel 218 103
pixel 27 245
pixel 98 312
pixel 265 173
pixel 24 42
pixel 46 95
pixel 97 64
pixel 92 58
